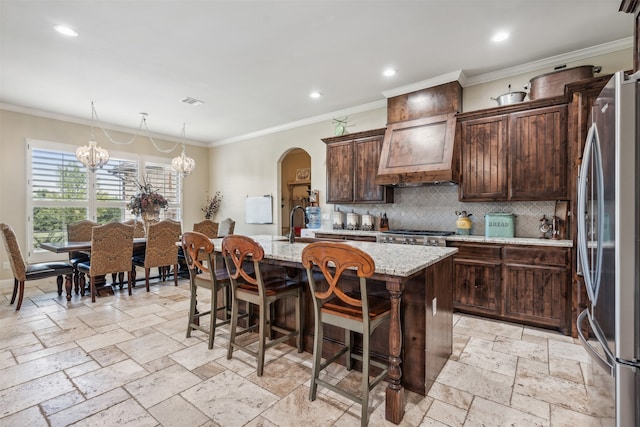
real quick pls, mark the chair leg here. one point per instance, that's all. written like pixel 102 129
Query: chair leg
pixel 15 290
pixel 68 285
pixel 20 294
pixel 234 324
pixel 348 344
pixel 121 279
pixel 129 279
pixel 92 285
pixel 175 274
pixel 262 333
pixel 317 358
pixel 365 379
pixel 147 271
pixel 192 309
pixel 212 315
pixel 59 283
pixel 299 322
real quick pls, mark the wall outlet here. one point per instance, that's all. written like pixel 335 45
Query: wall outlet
pixel 5 265
pixel 434 306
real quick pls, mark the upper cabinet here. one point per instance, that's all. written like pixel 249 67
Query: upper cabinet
pixel 352 164
pixel 514 155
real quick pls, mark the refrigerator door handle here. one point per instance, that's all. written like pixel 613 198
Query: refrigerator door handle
pixel 607 363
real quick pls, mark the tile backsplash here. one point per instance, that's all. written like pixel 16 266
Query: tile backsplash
pixel 433 207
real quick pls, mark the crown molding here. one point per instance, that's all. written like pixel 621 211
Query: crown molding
pixel 304 122
pixel 550 62
pixel 434 81
pixel 87 122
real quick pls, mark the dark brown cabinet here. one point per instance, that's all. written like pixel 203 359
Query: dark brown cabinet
pixel 536 285
pixel 333 236
pixel 352 165
pixel 538 154
pixel 524 284
pixel 519 155
pixel 477 279
pixel 484 159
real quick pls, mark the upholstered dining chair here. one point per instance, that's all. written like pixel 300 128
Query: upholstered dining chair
pixel 161 250
pixel 248 285
pixel 226 227
pixel 23 272
pixel 138 231
pixel 205 275
pixel 207 227
pixel 79 231
pixel 353 310
pixel 111 252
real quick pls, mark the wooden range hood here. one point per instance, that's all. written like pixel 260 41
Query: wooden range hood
pixel 419 143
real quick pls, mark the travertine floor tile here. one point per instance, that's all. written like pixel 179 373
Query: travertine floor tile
pixel 126 360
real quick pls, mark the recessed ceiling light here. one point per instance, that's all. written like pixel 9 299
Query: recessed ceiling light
pixel 500 36
pixel 65 30
pixel 389 72
pixel 315 95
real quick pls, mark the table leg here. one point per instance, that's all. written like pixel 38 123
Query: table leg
pixel 394 409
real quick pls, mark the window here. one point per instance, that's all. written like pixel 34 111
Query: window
pixel 63 191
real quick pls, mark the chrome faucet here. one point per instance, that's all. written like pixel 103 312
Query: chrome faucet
pixel 292 233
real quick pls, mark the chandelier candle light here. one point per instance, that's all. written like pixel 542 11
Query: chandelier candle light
pixel 92 156
pixel 95 157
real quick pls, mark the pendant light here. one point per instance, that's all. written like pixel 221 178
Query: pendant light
pixel 183 164
pixel 92 156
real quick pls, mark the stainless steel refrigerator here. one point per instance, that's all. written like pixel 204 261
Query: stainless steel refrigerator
pixel 608 252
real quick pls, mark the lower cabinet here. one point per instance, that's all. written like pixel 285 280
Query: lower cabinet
pixel 535 282
pixel 524 284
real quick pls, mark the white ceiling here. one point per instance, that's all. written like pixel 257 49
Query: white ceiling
pixel 254 63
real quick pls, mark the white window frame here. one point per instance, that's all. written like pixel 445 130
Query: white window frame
pixel 39 255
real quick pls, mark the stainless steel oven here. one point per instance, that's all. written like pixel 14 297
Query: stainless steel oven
pixel 415 237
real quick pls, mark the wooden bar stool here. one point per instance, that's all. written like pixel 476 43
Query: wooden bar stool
pixel 251 287
pixel 198 248
pixel 352 310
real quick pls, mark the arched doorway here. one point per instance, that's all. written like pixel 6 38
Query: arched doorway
pixel 295 178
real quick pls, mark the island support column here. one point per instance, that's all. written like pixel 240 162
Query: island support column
pixel 394 410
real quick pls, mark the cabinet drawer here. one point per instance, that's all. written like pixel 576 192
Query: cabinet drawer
pixel 476 252
pixel 536 255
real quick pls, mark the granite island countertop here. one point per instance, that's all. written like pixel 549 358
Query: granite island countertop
pixel 391 260
pixel 533 241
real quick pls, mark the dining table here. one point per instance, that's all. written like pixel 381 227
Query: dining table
pixel 398 266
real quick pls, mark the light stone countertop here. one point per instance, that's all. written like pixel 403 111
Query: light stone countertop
pixel 392 260
pixel 473 239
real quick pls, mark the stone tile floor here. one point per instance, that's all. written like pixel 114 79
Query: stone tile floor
pixel 126 361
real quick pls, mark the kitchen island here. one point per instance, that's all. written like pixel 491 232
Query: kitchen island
pixel 418 340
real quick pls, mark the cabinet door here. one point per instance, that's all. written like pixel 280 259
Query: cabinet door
pixel 477 286
pixel 536 294
pixel 484 159
pixel 340 172
pixel 367 159
pixel 538 152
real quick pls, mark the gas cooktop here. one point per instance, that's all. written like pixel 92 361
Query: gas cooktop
pixel 421 232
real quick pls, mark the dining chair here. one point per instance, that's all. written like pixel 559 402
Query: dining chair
pixel 248 285
pixel 337 303
pixel 23 272
pixel 160 251
pixel 207 276
pixel 111 252
pixel 138 232
pixel 207 227
pixel 79 231
pixel 226 227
